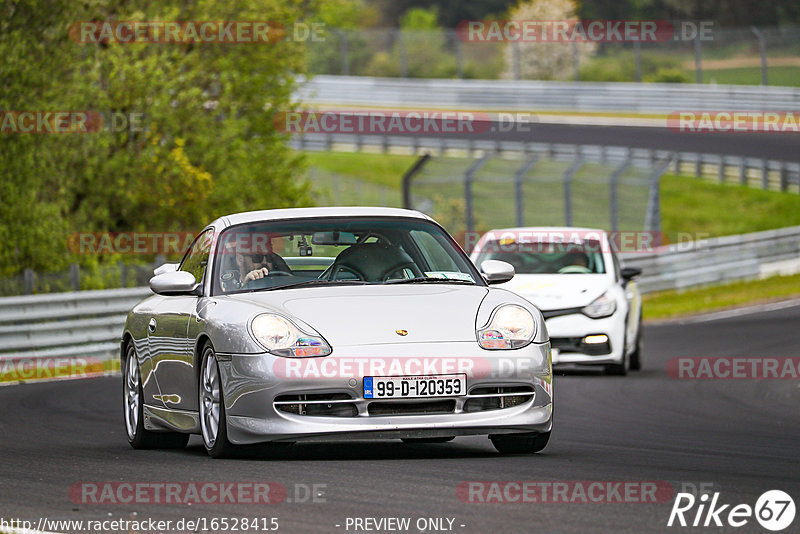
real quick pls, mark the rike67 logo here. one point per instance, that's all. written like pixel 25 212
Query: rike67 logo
pixel 774 510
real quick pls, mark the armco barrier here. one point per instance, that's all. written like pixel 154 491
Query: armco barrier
pixel 89 324
pixel 64 326
pixel 511 95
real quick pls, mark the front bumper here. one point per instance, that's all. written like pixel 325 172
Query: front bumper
pixel 252 383
pixel 564 330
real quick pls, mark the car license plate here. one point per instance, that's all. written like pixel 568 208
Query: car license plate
pixel 406 387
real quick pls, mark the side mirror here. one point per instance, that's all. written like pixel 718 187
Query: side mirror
pixel 165 268
pixel 628 273
pixel 496 271
pixel 174 283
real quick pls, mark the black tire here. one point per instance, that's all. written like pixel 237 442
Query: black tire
pixel 520 443
pixel 636 355
pixel 620 369
pixel 138 436
pixel 220 447
pixel 443 439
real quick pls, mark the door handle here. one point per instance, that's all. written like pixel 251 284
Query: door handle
pixel 152 325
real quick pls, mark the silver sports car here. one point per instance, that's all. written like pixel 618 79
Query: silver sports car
pixel 334 323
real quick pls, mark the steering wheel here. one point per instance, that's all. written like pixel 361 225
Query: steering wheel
pixel 258 283
pixel 574 269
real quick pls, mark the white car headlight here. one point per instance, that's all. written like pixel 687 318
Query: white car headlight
pixel 510 327
pixel 282 337
pixel 602 306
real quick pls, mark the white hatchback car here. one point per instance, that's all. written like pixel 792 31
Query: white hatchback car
pixel 591 304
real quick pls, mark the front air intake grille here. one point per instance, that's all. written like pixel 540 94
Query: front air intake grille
pixel 411 408
pixel 482 399
pixel 317 404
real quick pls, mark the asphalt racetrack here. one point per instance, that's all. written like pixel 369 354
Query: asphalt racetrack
pixel 737 437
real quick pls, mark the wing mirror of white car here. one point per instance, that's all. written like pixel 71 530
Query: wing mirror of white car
pixel 629 273
pixel 174 283
pixel 496 271
pixel 165 268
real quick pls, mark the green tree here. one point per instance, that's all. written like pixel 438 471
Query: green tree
pixel 207 143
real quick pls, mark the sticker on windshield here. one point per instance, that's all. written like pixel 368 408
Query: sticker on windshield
pixel 449 275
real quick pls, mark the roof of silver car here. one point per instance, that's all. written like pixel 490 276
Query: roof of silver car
pixel 301 213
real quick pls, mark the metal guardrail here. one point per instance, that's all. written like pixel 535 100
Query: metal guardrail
pixel 63 325
pixel 528 96
pixel 719 259
pixel 89 323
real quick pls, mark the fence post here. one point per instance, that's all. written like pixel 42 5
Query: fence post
pixel 637 58
pixel 721 170
pixel 784 177
pixel 743 171
pixel 408 176
pixel 74 276
pixel 576 62
pixel 468 177
pixel 519 178
pixel 123 274
pixel 677 163
pixel 345 53
pixel 28 279
pixel 764 174
pixel 403 59
pixel 459 56
pixel 698 166
pixel 652 221
pixel 698 59
pixel 762 48
pixel 616 174
pixel 568 189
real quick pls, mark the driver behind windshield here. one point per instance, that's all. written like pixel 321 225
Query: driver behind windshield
pixel 256 266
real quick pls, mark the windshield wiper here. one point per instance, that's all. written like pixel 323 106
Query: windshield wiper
pixel 431 280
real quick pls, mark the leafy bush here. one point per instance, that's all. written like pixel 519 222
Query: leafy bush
pixel 669 76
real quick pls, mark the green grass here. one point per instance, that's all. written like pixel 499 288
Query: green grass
pixel 670 304
pixel 380 169
pixel 691 205
pixel 783 76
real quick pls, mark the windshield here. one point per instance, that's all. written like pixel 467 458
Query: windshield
pixel 546 258
pixel 355 251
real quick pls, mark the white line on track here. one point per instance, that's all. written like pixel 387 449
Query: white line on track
pixel 737 312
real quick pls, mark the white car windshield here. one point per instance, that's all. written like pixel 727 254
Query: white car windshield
pixel 355 251
pixel 546 258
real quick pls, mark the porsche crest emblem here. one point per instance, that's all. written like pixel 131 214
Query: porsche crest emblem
pixel 401 332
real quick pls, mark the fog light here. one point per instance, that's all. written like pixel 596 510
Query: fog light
pixel 595 339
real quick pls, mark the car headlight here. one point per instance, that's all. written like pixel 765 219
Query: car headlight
pixel 510 327
pixel 602 306
pixel 282 337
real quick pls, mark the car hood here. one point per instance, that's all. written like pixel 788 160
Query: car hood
pixel 365 315
pixel 559 291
